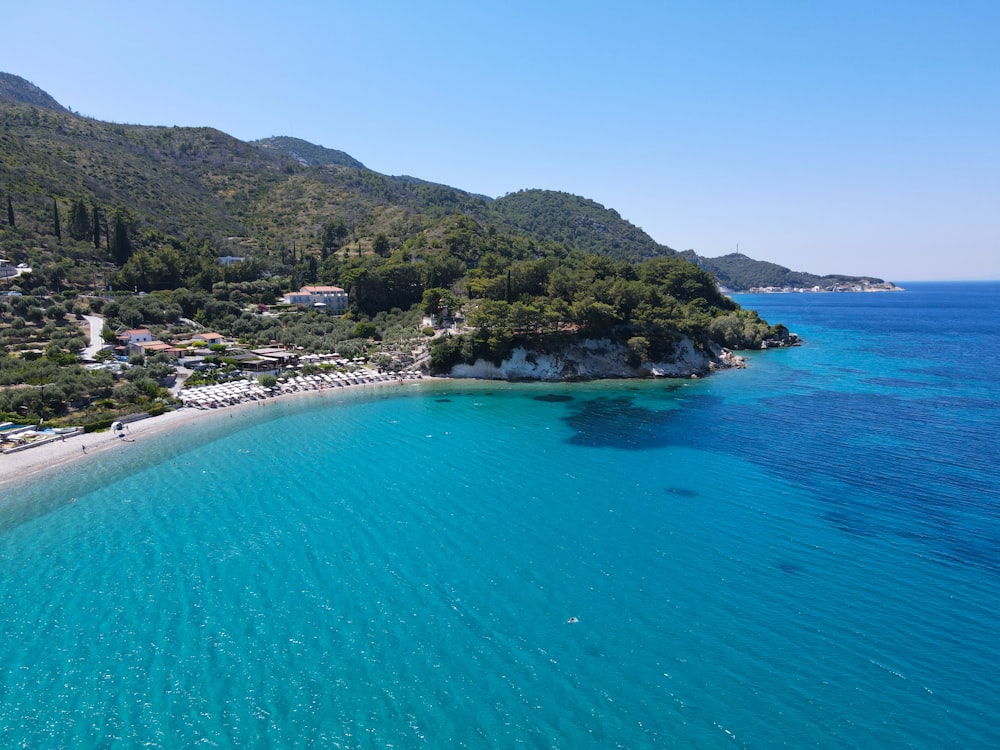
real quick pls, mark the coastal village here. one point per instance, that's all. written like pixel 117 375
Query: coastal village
pixel 208 370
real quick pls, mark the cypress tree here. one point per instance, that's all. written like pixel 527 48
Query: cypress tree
pixel 79 221
pixel 121 248
pixel 97 229
pixel 55 219
pixel 10 212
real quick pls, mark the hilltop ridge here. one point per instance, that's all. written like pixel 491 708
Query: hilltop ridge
pixel 16 89
pixel 278 192
pixel 307 154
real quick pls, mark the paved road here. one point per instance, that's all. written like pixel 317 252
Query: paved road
pixel 96 342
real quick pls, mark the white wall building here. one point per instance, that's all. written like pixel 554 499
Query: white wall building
pixel 332 298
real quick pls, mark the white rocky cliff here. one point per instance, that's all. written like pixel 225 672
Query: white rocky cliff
pixel 591 359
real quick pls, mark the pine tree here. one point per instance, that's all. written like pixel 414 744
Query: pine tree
pixel 332 236
pixel 10 212
pixel 55 219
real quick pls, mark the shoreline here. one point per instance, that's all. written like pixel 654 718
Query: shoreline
pixel 30 464
pixel 25 466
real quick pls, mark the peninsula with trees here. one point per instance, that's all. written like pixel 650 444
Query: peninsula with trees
pixel 182 231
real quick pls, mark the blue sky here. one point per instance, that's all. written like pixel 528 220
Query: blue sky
pixel 847 137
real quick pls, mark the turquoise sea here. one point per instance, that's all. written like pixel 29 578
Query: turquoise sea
pixel 805 553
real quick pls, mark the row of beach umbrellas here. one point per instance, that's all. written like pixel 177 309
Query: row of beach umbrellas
pixel 239 391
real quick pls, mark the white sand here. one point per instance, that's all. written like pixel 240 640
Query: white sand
pixel 29 463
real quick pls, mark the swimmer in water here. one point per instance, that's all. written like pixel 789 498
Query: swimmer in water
pixel 572 620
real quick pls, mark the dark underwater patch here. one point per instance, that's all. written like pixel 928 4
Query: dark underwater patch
pixel 895 382
pixel 618 423
pixel 789 567
pixel 848 523
pixel 552 398
pixel 443 400
pixel 956 403
pixel 934 371
pixel 682 492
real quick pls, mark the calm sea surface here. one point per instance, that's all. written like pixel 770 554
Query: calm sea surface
pixel 805 553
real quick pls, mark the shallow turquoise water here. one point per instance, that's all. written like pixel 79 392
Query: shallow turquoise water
pixel 803 553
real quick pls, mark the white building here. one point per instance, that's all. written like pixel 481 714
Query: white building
pixel 135 336
pixel 331 298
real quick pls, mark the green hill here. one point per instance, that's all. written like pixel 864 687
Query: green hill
pixel 578 222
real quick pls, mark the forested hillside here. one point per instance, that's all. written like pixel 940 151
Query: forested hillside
pixel 201 190
pixel 577 222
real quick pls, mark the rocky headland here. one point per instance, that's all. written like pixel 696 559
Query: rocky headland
pixel 594 359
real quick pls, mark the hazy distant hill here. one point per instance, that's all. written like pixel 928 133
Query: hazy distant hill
pixel 16 89
pixel 267 195
pixel 307 154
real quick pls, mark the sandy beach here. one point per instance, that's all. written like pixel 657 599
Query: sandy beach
pixel 34 462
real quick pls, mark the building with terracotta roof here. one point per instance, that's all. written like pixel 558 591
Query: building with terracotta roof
pixel 209 338
pixel 331 298
pixel 135 336
pixel 149 348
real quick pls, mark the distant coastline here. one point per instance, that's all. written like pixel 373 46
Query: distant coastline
pixel 863 286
